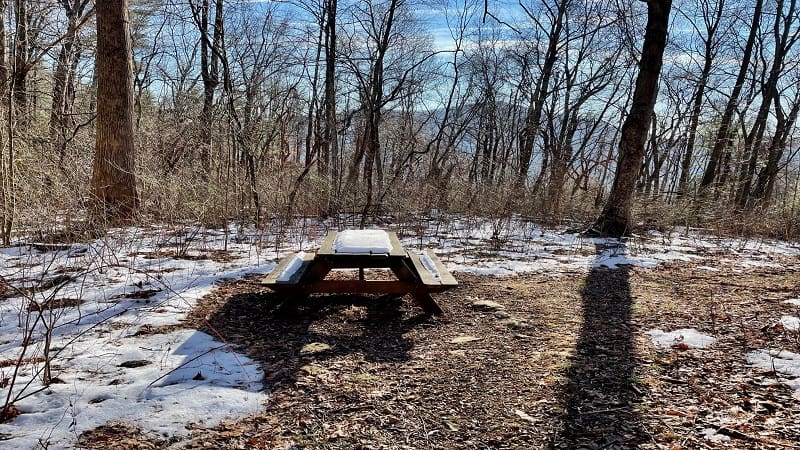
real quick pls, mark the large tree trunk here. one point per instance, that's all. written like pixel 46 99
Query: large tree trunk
pixel 615 218
pixel 113 181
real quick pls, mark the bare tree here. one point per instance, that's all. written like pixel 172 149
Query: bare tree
pixel 61 117
pixel 708 33
pixel 211 36
pixel 382 73
pixel 785 32
pixel 723 135
pixel 614 220
pixel 6 201
pixel 588 69
pixel 552 28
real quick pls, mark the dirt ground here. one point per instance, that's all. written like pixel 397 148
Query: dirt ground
pixel 532 361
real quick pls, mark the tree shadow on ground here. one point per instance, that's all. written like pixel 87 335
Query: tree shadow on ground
pixel 323 328
pixel 601 394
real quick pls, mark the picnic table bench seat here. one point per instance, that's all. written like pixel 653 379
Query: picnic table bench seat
pixel 439 277
pixel 274 276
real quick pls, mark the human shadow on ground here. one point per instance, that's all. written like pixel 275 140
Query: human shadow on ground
pixel 324 327
pixel 601 394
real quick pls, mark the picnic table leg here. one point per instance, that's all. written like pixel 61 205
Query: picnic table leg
pixel 289 301
pixel 316 271
pixel 421 296
pixel 427 303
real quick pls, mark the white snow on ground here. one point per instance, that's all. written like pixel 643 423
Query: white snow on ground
pixel 189 376
pixel 688 336
pixel 712 435
pixel 793 301
pixel 362 241
pixel 791 323
pixel 782 362
pixel 512 245
pixel 139 278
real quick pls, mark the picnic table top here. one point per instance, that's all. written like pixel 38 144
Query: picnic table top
pixel 328 248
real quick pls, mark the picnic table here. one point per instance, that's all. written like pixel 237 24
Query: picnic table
pixel 417 273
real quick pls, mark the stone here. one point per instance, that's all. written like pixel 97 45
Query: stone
pixel 487 305
pixel 314 348
pixel 516 323
pixel 464 339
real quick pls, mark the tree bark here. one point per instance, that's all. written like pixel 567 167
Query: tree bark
pixel 615 218
pixel 113 185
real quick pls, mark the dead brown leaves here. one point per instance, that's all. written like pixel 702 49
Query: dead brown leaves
pixel 583 374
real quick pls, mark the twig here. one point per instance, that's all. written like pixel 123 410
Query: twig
pixel 603 411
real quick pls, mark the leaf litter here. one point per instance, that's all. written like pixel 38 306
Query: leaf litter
pixel 564 361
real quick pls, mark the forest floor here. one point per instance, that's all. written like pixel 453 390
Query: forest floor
pixel 528 361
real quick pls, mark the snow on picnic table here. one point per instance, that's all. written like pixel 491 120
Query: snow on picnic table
pixel 110 365
pixel 362 241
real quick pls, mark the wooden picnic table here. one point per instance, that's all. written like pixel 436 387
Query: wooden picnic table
pixel 417 274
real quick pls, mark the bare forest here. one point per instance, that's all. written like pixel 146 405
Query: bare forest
pixel 221 223
pixel 252 110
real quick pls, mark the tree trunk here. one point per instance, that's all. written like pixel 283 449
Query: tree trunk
pixel 113 181
pixel 785 37
pixel 766 177
pixel 3 62
pixel 615 218
pixel 209 71
pixel 61 120
pixel 20 74
pixel 531 130
pixel 330 149
pixel 694 119
pixel 6 201
pixel 723 137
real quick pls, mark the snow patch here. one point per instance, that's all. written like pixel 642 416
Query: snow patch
pixel 687 336
pixel 791 323
pixel 291 268
pixel 430 265
pixel 362 241
pixel 113 366
pixel 793 301
pixel 781 362
pixel 712 435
